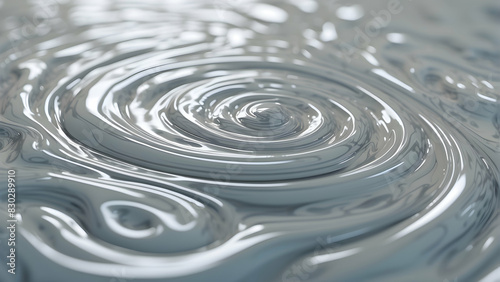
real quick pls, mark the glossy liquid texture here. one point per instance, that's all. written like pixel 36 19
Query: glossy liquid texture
pixel 252 140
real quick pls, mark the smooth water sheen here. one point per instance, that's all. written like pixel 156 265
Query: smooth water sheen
pixel 291 140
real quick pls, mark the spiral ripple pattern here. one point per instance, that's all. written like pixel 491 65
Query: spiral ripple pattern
pixel 252 140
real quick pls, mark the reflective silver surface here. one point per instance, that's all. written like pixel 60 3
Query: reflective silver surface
pixel 252 140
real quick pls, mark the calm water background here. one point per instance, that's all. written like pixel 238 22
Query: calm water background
pixel 251 140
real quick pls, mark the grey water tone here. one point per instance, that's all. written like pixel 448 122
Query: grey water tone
pixel 248 140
